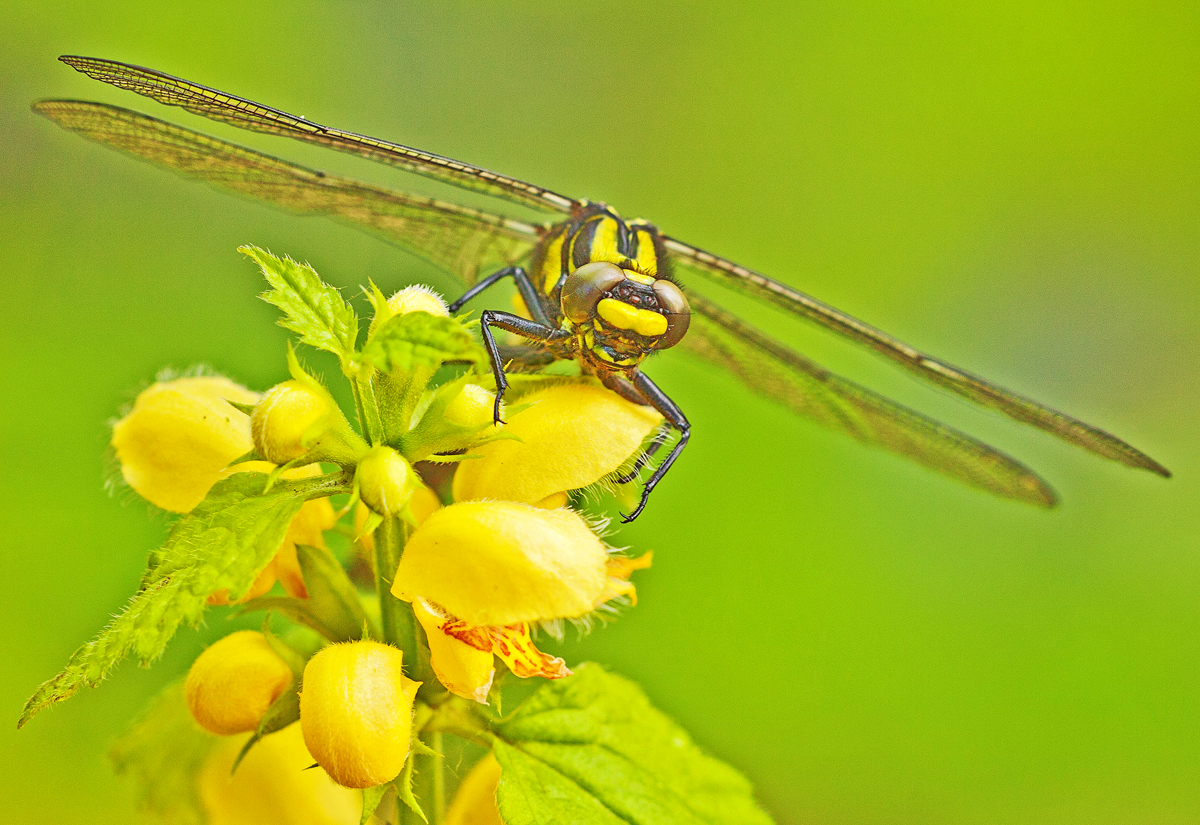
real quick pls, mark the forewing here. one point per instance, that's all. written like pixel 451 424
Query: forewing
pixel 689 260
pixel 247 114
pixel 775 371
pixel 457 239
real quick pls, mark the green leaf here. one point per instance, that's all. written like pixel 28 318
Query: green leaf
pixel 331 595
pixel 298 610
pixel 312 308
pixel 163 752
pixel 404 788
pixel 591 749
pixel 296 661
pixel 221 544
pixel 371 799
pixel 418 340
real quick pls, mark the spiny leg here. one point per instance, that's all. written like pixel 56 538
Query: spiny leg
pixel 675 417
pixel 519 326
pixel 527 356
pixel 529 294
pixel 660 438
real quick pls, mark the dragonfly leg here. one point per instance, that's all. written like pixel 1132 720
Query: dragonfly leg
pixel 528 357
pixel 622 386
pixel 658 399
pixel 660 438
pixel 520 326
pixel 533 301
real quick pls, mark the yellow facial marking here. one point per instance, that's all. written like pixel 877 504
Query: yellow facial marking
pixel 624 316
pixel 637 277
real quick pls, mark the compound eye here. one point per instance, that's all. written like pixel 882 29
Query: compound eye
pixel 585 287
pixel 675 306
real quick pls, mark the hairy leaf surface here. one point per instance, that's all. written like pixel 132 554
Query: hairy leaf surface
pixel 418 340
pixel 312 309
pixel 222 544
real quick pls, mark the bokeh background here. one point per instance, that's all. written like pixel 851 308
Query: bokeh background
pixel 1013 186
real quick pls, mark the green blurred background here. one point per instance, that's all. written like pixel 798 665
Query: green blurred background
pixel 1013 187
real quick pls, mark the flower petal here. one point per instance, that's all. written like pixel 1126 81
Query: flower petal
pixel 573 435
pixel 272 785
pixel 179 438
pixel 501 563
pixel 462 668
pixel 233 682
pixel 513 645
pixel 356 710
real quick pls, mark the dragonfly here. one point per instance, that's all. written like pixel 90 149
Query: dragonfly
pixel 602 290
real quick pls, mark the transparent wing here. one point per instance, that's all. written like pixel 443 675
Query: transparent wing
pixel 457 239
pixel 688 260
pixel 247 114
pixel 776 372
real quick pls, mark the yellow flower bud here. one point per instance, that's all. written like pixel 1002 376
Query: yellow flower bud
pixel 422 505
pixel 356 712
pixel 475 801
pixel 418 298
pixel 472 407
pixel 179 438
pixel 463 669
pixel 288 420
pixel 386 480
pixel 502 563
pixel 272 785
pixel 234 681
pixel 415 298
pixel 573 435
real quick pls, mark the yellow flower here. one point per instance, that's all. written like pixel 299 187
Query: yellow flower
pixel 499 563
pixel 475 801
pixel 573 435
pixel 386 481
pixel 234 681
pixel 272 785
pixel 177 442
pixel 473 407
pixel 477 573
pixel 289 420
pixel 179 438
pixel 356 712
pixel 463 669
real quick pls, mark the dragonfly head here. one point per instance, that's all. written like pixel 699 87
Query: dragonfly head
pixel 622 314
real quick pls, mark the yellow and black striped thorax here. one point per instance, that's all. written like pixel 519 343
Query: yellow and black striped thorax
pixel 606 280
pixel 596 233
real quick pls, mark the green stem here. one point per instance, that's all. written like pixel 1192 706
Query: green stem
pixel 437 764
pixel 399 624
pixel 358 409
pixel 368 406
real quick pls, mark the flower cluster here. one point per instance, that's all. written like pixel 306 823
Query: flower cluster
pixel 406 550
pixel 467 528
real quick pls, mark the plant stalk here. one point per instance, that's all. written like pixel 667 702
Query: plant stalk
pixel 437 764
pixel 398 623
